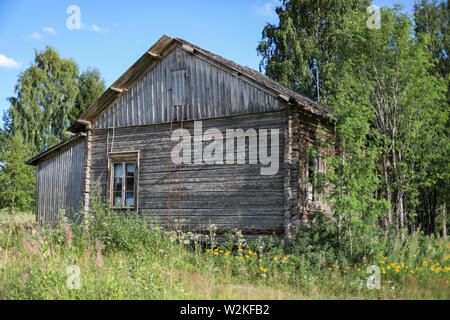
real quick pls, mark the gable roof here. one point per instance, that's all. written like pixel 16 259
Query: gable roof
pixel 147 61
pixel 161 48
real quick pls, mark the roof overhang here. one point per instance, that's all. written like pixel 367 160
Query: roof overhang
pixel 56 149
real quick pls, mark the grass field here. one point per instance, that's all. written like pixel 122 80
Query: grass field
pixel 130 262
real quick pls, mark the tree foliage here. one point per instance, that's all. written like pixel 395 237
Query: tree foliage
pixel 385 90
pixel 17 180
pixel 90 87
pixel 298 50
pixel 387 78
pixel 49 96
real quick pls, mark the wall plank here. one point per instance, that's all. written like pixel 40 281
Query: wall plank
pixel 230 196
pixel 60 183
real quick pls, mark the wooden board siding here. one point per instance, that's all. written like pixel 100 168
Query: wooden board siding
pixel 187 84
pixel 227 195
pixel 60 183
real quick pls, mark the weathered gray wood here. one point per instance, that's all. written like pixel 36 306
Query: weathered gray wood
pixel 201 88
pixel 60 183
pixel 231 196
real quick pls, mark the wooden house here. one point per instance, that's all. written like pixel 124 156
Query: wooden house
pixel 124 146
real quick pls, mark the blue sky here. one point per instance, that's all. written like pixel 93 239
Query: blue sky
pixel 114 34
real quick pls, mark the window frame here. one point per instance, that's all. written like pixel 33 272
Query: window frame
pixel 314 165
pixel 124 158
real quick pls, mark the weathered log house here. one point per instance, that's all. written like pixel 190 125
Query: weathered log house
pixel 127 144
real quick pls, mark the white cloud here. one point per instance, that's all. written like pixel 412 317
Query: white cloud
pixel 49 30
pixel 6 62
pixel 92 27
pixel 96 28
pixel 267 9
pixel 35 35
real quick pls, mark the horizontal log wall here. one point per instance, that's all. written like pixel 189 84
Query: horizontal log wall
pixel 60 183
pixel 305 130
pixel 227 195
pixel 191 85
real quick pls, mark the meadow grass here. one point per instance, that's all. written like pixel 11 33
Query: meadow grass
pixel 123 258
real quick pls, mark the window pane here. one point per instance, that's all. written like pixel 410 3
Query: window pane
pixel 129 196
pixel 130 169
pixel 117 201
pixel 118 170
pixel 130 184
pixel 117 184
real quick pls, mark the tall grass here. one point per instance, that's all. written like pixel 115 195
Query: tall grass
pixel 122 256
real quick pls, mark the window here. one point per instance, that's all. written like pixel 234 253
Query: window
pixel 123 180
pixel 124 184
pixel 314 166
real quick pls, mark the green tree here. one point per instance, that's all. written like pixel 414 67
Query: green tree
pixel 17 180
pixel 297 52
pixel 50 94
pixel 383 90
pixel 432 20
pixel 45 94
pixel 90 87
